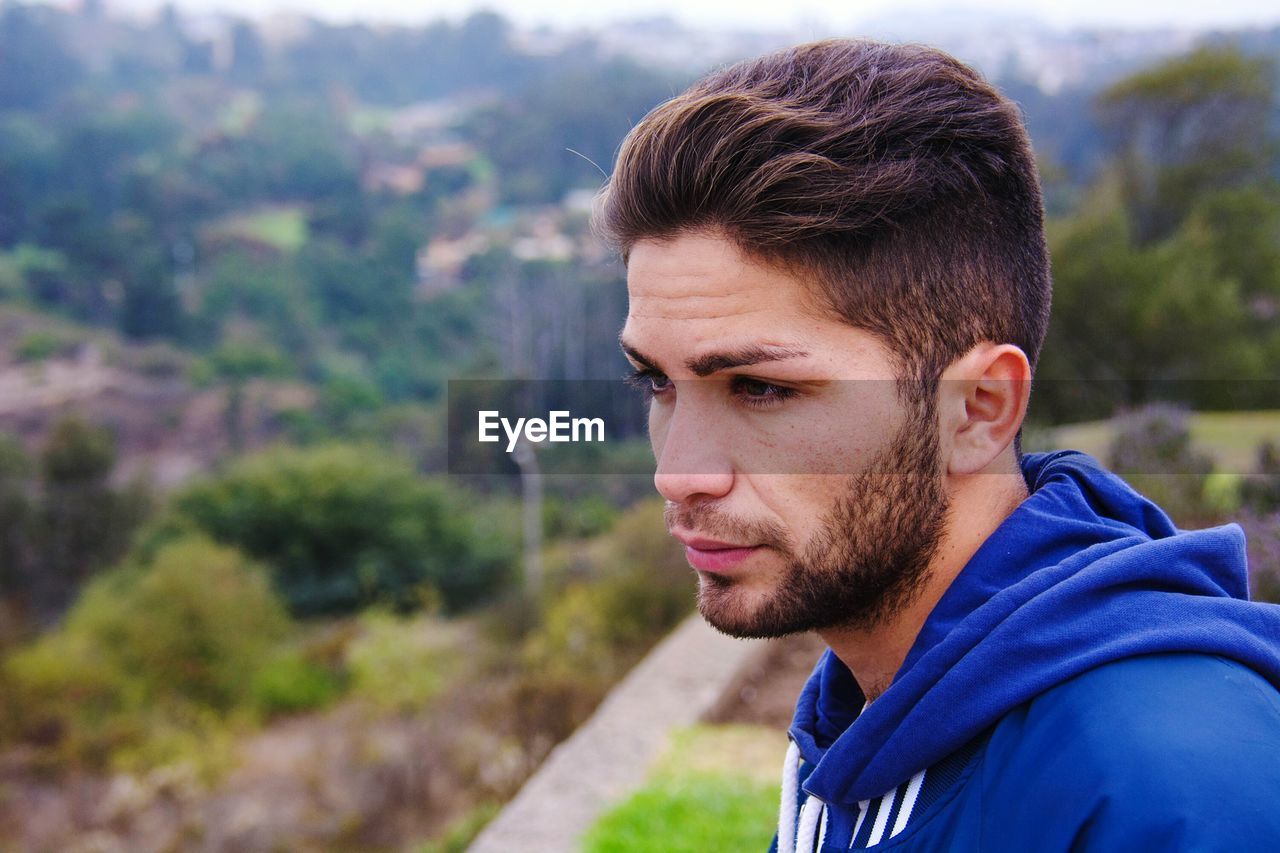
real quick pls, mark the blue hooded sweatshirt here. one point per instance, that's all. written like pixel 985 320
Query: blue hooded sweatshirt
pixel 1093 679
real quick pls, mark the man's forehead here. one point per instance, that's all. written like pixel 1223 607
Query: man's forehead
pixel 697 301
pixel 702 276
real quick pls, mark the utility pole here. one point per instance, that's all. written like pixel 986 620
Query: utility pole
pixel 531 485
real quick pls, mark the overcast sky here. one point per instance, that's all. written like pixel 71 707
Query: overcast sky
pixel 757 14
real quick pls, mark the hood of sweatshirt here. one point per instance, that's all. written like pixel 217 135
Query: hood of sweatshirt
pixel 1085 571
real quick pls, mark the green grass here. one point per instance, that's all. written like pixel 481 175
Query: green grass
pixel 715 790
pixel 1231 439
pixel 284 228
pixel 700 813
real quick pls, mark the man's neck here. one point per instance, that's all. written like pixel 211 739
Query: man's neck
pixel 979 504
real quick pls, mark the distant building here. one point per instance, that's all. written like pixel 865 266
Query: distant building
pixel 440 262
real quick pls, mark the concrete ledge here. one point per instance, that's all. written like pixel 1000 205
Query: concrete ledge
pixel 609 756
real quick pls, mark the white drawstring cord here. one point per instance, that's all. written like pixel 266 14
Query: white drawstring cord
pixel 797 836
pixel 813 809
pixel 790 794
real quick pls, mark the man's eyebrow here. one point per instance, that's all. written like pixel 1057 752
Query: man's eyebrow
pixel 705 365
pixel 636 355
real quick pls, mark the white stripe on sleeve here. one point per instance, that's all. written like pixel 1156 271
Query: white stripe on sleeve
pixel 882 818
pixel 908 803
pixel 862 815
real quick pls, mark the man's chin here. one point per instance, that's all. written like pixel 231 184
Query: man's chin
pixel 742 613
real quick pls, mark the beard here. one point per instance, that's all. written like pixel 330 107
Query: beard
pixel 865 564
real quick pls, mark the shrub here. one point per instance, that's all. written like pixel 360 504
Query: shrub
pixel 40 344
pixel 576 637
pixel 634 587
pixel 148 650
pixel 1222 494
pixel 83 523
pixel 1152 450
pixel 620 593
pixel 652 584
pixel 17 514
pixel 1263 534
pixel 1261 491
pixel 343 527
pixel 588 516
pixel 159 360
pixel 290 682
pixel 398 663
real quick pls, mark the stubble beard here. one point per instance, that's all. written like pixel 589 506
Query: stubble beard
pixel 868 560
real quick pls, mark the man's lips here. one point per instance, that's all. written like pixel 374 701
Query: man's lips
pixel 713 555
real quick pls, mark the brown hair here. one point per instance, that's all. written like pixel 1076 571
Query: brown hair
pixel 893 175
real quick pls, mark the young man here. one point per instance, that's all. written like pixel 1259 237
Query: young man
pixel 838 290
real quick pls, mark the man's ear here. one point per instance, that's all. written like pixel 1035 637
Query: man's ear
pixel 983 399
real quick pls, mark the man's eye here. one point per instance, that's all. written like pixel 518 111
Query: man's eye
pixel 650 382
pixel 758 393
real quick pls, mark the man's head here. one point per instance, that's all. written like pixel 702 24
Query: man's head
pixel 840 211
pixel 891 176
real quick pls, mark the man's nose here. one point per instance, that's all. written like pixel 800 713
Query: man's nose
pixel 691 458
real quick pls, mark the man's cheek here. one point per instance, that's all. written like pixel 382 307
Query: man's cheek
pixel 659 421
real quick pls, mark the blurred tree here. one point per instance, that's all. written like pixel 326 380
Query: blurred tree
pixel 28 163
pixel 100 153
pixel 291 148
pixel 342 527
pixel 35 65
pixel 150 307
pixel 1130 319
pixel 554 135
pixel 372 284
pixel 1245 228
pixel 1194 124
pixel 248 56
pixel 345 216
pixel 85 524
pixel 36 274
pixel 246 357
pixel 1169 273
pixel 266 294
pixel 348 398
pixel 17 516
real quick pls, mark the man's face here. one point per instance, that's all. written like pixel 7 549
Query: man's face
pixel 807 493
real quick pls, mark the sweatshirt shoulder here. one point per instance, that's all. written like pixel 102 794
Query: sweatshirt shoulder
pixel 1171 747
pixel 1168 704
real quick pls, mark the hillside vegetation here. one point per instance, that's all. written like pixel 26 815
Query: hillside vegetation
pixel 243 603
